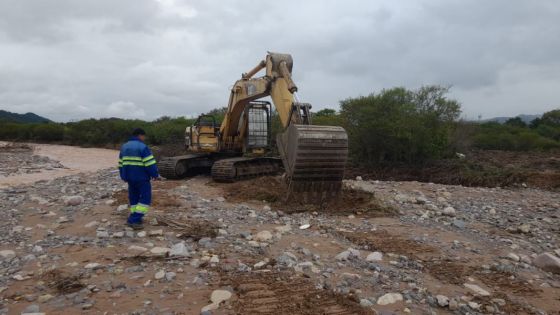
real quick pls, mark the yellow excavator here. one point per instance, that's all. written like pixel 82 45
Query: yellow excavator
pixel 313 157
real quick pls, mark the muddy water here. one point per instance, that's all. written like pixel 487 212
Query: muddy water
pixel 75 159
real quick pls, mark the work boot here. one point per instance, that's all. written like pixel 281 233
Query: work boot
pixel 135 221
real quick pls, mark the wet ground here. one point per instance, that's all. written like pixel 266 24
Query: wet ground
pixel 383 247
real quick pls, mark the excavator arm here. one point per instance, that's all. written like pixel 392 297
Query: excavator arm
pixel 277 84
pixel 314 157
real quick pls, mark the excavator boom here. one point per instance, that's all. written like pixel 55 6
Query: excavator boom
pixel 313 156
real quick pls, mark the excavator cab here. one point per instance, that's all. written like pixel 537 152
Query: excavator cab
pixel 257 117
pixel 202 136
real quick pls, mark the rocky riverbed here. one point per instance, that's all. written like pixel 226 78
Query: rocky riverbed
pixel 412 248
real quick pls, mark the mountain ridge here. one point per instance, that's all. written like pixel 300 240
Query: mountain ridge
pixel 27 118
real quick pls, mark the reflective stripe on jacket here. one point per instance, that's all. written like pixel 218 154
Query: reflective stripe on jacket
pixel 136 162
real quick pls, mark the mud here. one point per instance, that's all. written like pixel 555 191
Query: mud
pixel 275 293
pixel 273 191
pixel 488 168
pixel 386 242
pixel 63 282
pixel 189 227
pixel 503 281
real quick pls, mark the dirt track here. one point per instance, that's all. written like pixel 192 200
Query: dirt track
pixel 232 240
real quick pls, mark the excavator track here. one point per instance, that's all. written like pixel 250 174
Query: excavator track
pixel 234 169
pixel 314 158
pixel 177 167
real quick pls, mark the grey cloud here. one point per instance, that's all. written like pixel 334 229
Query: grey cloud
pixel 75 59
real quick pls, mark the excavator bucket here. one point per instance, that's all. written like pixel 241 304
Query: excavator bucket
pixel 314 159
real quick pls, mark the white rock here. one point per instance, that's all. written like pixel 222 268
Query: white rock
pixel 390 298
pixel 348 254
pixel 119 234
pixel 7 254
pixel 122 208
pixel 160 251
pixel 91 224
pixel 548 262
pixel 102 234
pixel 73 200
pixel 159 275
pixel 218 296
pixel 209 307
pixel 214 259
pixel 135 248
pixel 492 211
pixel 476 289
pixel 402 198
pixel 442 300
pixel 63 219
pixel 267 208
pixel 304 226
pixel 141 234
pixel 449 211
pixel 359 178
pixel 19 277
pixel 37 249
pixel 260 264
pixel 513 256
pixel 156 233
pixel 92 266
pixel 179 249
pixel 524 228
pixel 263 236
pixel 375 256
pixel 474 305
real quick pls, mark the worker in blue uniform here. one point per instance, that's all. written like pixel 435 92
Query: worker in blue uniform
pixel 137 166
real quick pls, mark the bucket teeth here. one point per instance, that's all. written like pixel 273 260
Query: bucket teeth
pixel 314 158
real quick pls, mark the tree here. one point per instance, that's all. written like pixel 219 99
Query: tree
pixel 516 122
pixel 400 125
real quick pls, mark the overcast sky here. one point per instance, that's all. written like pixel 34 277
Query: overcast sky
pixel 68 59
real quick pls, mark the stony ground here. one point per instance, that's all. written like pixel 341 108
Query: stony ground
pixel 415 248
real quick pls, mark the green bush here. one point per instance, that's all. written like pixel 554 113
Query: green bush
pixel 514 137
pixel 97 132
pixel 399 125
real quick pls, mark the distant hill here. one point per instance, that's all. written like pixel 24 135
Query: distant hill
pixel 27 118
pixel 526 118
